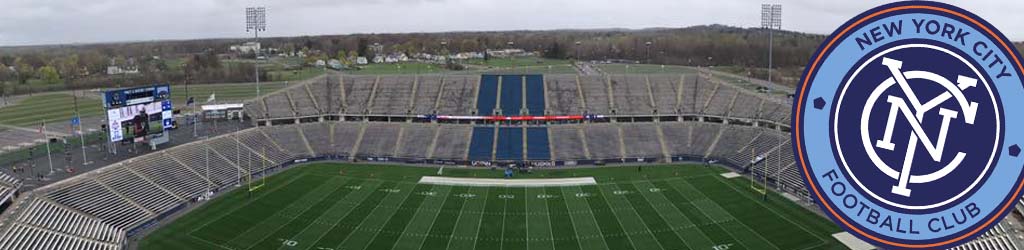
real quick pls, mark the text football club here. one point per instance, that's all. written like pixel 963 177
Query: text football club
pixel 907 126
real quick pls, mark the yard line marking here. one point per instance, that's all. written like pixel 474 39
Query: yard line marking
pixel 336 205
pixel 300 203
pixel 258 197
pixel 638 218
pixel 775 212
pixel 619 220
pixel 738 239
pixel 662 216
pixel 427 233
pixel 391 196
pixel 419 214
pixel 480 221
pixel 573 221
pixel 368 192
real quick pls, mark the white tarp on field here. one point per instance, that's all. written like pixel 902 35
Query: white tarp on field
pixel 494 182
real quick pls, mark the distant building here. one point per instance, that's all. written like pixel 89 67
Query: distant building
pixel 320 63
pixel 361 60
pixel 117 70
pixel 334 64
pixel 247 47
pixel 378 59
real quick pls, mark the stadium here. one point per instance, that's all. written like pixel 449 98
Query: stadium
pixel 612 161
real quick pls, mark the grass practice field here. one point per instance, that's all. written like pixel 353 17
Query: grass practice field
pixel 54 108
pixel 345 206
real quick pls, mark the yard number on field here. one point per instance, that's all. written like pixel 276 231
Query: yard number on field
pixel 287 242
pixel 721 247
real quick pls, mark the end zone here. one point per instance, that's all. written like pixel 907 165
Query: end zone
pixel 493 182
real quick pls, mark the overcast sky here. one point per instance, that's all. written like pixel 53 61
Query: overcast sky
pixel 27 22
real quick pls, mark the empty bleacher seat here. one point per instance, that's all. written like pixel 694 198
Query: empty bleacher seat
pixel 488 96
pixel 537 145
pixel 481 144
pixel 510 144
pixel 535 94
pixel 511 94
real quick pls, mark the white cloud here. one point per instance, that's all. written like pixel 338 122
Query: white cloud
pixel 68 21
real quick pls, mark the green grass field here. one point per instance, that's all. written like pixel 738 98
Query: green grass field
pixel 345 206
pixel 54 108
pixel 227 92
pixel 645 69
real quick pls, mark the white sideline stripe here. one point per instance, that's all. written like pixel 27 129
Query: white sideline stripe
pixel 852 242
pixel 493 182
pixel 730 175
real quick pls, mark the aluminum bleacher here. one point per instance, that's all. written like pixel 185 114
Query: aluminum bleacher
pixel 415 140
pixel 93 198
pixel 8 186
pixel 631 94
pixel 458 93
pixel 453 142
pixel 289 139
pixel 603 141
pixel 319 137
pixel 563 95
pixel 379 140
pixel 357 93
pixel 302 101
pixel 392 95
pixel 566 141
pixel 345 137
pixel 595 93
pixel 641 140
pixel 46 225
pixel 666 93
pixel 427 89
pixel 677 138
pixel 327 93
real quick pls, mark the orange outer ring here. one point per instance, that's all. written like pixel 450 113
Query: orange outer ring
pixel 803 89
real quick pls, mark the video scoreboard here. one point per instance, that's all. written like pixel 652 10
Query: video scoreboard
pixel 138 114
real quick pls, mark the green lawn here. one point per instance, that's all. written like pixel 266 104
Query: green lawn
pixel 517 62
pixel 347 206
pixel 54 108
pixel 398 69
pixel 227 92
pixel 645 69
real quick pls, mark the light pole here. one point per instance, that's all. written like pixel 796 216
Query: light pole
pixel 771 19
pixel 578 50
pixel 256 21
pixel 647 47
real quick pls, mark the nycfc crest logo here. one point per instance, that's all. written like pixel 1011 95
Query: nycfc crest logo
pixel 908 126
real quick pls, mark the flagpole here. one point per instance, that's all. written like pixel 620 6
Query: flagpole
pixel 46 140
pixel 81 134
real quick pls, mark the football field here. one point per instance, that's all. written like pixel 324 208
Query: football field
pixel 349 206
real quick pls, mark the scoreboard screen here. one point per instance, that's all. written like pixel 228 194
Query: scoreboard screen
pixel 133 114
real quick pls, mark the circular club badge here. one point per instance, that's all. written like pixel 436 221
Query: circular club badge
pixel 908 126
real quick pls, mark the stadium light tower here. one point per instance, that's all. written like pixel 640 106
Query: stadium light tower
pixel 771 19
pixel 647 48
pixel 578 43
pixel 256 21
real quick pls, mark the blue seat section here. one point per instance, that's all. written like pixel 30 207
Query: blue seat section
pixel 511 94
pixel 481 143
pixel 510 144
pixel 485 104
pixel 537 146
pixel 535 94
